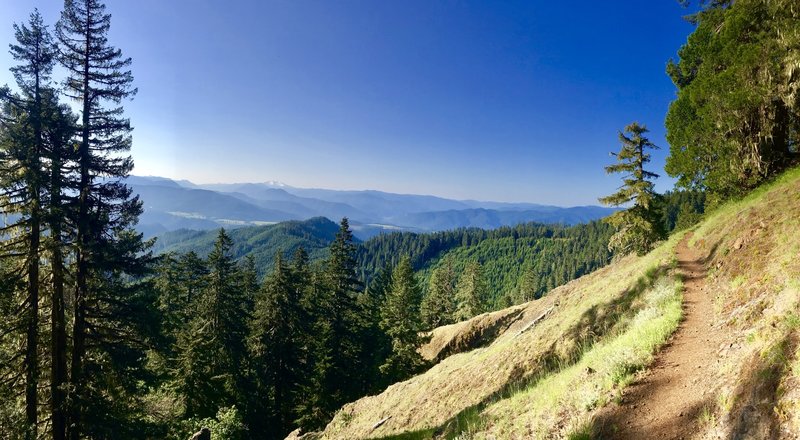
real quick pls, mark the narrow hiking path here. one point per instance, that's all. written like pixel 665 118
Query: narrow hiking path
pixel 668 400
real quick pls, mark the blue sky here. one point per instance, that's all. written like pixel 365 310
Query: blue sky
pixel 506 101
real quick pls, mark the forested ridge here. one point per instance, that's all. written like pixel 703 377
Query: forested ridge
pixel 518 263
pixel 260 243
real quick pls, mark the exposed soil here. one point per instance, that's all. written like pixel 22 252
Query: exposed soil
pixel 667 401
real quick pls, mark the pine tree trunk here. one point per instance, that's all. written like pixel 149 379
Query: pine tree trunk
pixel 32 343
pixel 32 340
pixel 81 291
pixel 82 241
pixel 58 341
pixel 78 350
pixel 58 348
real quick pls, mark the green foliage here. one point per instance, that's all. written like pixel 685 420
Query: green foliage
pixel 555 254
pixel 259 242
pixel 316 340
pixel 439 306
pixel 635 232
pixel 682 209
pixel 638 227
pixel 402 322
pixel 471 292
pixel 735 119
pixel 376 343
pixel 211 350
pixel 275 348
pixel 23 146
pixel 227 425
pixel 337 346
pixel 70 237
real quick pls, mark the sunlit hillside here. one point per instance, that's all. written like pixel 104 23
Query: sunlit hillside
pixel 563 362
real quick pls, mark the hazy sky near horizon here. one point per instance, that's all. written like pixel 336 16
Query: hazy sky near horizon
pixel 505 101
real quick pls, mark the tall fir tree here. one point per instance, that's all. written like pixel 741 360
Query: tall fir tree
pixel 35 51
pixel 225 305
pixel 59 131
pixel 639 226
pixel 109 254
pixel 376 343
pixel 439 305
pixel 471 292
pixel 211 353
pixel 401 320
pixel 345 316
pixel 275 349
pixel 337 349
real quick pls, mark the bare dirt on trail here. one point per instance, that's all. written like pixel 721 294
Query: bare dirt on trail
pixel 667 401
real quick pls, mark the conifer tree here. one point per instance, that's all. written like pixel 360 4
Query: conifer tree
pixel 736 117
pixel 275 349
pixel 337 349
pixel 180 280
pixel 376 343
pixel 169 284
pixel 402 322
pixel 196 372
pixel 23 181
pixel 438 306
pixel 471 292
pixel 249 279
pixel 211 349
pixel 59 132
pixel 35 133
pixel 108 253
pixel 639 226
pixel 529 285
pixel 193 271
pixel 225 305
pixel 344 314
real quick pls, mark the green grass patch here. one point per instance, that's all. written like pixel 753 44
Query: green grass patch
pixel 566 398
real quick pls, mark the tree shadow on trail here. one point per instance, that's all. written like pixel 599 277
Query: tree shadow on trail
pixel 756 393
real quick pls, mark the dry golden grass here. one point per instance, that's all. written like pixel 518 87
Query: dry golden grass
pixel 468 335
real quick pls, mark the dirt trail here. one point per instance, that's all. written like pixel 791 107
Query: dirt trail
pixel 667 401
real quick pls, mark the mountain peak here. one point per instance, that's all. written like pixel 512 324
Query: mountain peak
pixel 275 184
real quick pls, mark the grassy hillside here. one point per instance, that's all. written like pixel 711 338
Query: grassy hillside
pixel 565 357
pixel 753 252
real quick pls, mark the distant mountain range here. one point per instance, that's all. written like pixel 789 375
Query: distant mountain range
pixel 171 205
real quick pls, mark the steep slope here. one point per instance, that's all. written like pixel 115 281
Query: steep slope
pixel 669 394
pixel 562 367
pixel 550 334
